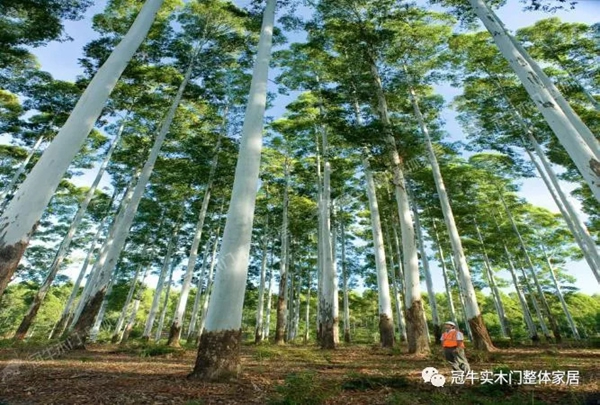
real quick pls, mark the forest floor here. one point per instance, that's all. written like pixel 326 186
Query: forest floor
pixel 293 375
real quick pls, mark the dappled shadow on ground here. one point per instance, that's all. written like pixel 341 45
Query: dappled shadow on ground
pixel 352 374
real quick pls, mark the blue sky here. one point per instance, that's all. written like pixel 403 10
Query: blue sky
pixel 61 60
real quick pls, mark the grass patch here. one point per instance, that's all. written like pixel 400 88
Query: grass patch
pixel 303 388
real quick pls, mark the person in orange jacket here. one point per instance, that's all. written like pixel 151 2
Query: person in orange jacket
pixel 454 348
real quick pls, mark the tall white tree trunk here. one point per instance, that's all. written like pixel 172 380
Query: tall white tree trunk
pixel 481 336
pixel 100 260
pixel 65 244
pixel 545 306
pixel 560 294
pixel 60 326
pixel 283 265
pixel 437 327
pixel 160 284
pixel 525 308
pixel 418 341
pixel 576 138
pixel 202 276
pixel 128 299
pixel 100 315
pixel 307 311
pixel 209 283
pixel 535 304
pixel 335 298
pixel 165 308
pixel 396 288
pixel 116 247
pixel 329 321
pixel 386 323
pixel 588 246
pixel 267 327
pixel 569 213
pixel 8 189
pixel 461 296
pixel 445 275
pixel 218 353
pixel 504 325
pixel 345 278
pixel 175 331
pixel 258 330
pixel 24 211
pixel 136 305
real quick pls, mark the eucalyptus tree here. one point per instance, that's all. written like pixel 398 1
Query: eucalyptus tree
pixel 360 31
pixel 218 353
pixel 21 215
pixel 577 139
pixel 220 28
pixel 572 48
pixel 508 124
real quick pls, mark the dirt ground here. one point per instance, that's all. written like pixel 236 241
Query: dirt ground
pixel 352 374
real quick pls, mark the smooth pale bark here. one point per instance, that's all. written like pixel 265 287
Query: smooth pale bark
pixel 574 136
pixel 123 315
pixel 60 326
pixel 445 275
pixel 160 284
pixel 24 211
pixel 209 283
pixel 569 213
pixel 283 265
pixel 136 305
pixel 258 330
pixel 93 334
pixel 386 323
pixel 202 276
pixel 218 354
pixel 319 237
pixel 504 325
pixel 545 306
pixel 535 304
pixel 560 294
pixel 267 327
pixel 291 294
pixel 396 289
pixel 524 306
pixel 399 256
pixel 175 331
pixel 437 327
pixel 580 231
pixel 461 296
pixel 8 189
pixel 418 341
pixel 99 264
pixel 336 300
pixel 347 338
pixel 115 249
pixel 163 312
pixel 65 244
pixel 307 311
pixel 329 321
pixel 481 336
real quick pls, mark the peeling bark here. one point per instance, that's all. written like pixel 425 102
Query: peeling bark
pixel 418 341
pixel 81 329
pixel 10 256
pixel 481 337
pixel 174 335
pixel 386 330
pixel 218 356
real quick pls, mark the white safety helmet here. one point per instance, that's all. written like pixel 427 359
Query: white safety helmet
pixel 450 323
